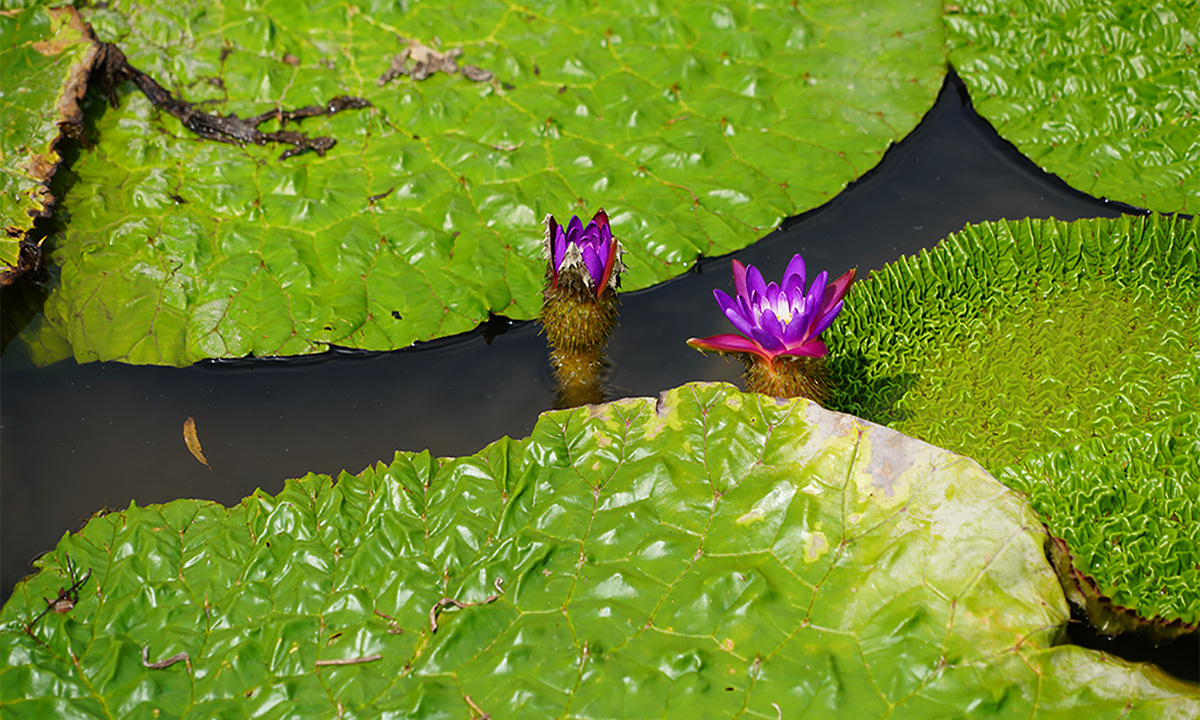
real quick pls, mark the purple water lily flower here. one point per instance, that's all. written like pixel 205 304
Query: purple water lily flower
pixel 586 252
pixel 777 320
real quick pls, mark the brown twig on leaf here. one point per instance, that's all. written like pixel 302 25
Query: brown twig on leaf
pixel 433 611
pixel 163 663
pixel 350 661
pixel 477 712
pixel 114 67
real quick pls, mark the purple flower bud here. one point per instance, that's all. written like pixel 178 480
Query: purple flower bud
pixel 588 253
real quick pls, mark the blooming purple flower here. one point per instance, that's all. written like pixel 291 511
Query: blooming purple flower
pixel 777 320
pixel 587 252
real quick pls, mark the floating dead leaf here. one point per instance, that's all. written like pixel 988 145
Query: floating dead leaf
pixel 193 441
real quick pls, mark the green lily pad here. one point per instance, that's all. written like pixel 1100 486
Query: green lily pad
pixel 706 555
pixel 697 128
pixel 1135 493
pixel 1101 94
pixel 1065 358
pixel 46 56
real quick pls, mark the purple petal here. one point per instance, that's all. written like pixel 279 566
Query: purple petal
pixel 774 294
pixel 767 341
pixel 574 229
pixel 739 280
pixel 732 311
pixel 793 276
pixel 769 323
pixel 796 304
pixel 793 287
pixel 595 266
pixel 601 220
pixel 817 291
pixel 725 302
pixel 769 334
pixel 609 255
pixel 744 308
pixel 603 240
pixel 794 331
pixel 729 343
pixel 560 247
pixel 812 348
pixel 552 235
pixel 811 302
pixel 754 284
pixel 823 321
pixel 813 299
pixel 837 289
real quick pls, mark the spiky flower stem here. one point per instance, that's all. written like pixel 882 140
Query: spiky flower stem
pixel 575 320
pixel 577 325
pixel 787 377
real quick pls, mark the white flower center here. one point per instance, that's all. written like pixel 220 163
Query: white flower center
pixel 783 311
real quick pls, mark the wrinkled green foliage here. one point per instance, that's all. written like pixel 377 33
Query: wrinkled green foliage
pixel 39 53
pixel 1048 350
pixel 711 555
pixel 1136 492
pixel 698 128
pixel 1102 94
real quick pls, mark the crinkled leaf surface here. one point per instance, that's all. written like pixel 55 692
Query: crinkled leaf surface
pixel 696 127
pixel 41 55
pixel 1104 95
pixel 710 555
pixel 1047 351
pixel 1135 497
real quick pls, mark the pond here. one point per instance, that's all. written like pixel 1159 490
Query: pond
pixel 78 439
pixel 400 529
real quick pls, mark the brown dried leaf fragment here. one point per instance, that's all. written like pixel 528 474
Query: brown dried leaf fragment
pixel 193 441
pixel 477 74
pixel 426 61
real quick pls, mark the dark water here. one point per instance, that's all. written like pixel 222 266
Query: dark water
pixel 76 439
pixel 1179 658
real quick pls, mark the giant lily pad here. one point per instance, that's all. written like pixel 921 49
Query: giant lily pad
pixel 1101 94
pixel 45 55
pixel 710 555
pixel 698 128
pixel 1065 357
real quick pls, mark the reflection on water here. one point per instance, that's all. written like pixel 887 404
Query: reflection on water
pixel 76 439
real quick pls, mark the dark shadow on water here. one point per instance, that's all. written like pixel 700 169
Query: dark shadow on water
pixel 78 438
pixel 22 302
pixel 1178 658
